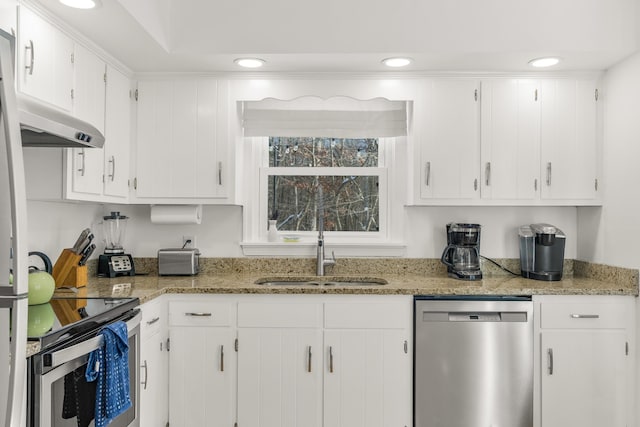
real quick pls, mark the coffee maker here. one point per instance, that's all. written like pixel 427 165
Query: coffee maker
pixel 541 252
pixel 114 262
pixel 462 254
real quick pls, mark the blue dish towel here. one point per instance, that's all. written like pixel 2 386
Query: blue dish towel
pixel 109 365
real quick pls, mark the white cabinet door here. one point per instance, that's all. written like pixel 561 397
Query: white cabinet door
pixel 88 105
pixel 177 150
pixel 367 379
pixel 279 377
pixel 117 134
pixel 449 140
pixel 154 384
pixel 202 364
pixel 45 68
pixel 510 139
pixel 568 138
pixel 154 361
pixel 584 378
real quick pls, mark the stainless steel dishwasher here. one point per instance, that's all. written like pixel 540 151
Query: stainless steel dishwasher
pixel 473 362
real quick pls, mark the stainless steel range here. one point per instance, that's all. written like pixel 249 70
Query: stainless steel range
pixel 67 330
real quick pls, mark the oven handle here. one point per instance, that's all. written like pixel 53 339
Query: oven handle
pixel 84 348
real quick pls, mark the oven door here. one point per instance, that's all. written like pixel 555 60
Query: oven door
pixel 49 408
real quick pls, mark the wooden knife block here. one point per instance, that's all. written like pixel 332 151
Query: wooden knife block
pixel 67 272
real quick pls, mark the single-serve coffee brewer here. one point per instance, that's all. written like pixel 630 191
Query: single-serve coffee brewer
pixel 462 254
pixel 541 252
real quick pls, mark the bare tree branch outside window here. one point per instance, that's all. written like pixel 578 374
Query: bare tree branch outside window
pixel 351 203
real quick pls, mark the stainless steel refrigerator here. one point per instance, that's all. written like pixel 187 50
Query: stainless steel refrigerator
pixel 23 122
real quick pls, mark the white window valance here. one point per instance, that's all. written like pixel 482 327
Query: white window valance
pixel 336 117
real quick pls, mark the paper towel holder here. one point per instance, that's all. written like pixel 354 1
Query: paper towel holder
pixel 176 214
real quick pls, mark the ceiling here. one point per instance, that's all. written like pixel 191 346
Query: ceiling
pixel 355 35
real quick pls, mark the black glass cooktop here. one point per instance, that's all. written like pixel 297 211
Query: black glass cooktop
pixel 63 319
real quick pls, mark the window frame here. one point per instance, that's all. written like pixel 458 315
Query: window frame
pixel 387 241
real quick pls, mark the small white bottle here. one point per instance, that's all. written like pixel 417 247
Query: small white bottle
pixel 272 232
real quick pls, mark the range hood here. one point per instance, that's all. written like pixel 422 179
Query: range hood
pixel 44 126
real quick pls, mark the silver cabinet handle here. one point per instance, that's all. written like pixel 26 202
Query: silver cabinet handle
pixel 487 174
pixel 221 358
pixel 152 321
pixel 330 359
pixel 146 375
pixel 427 174
pixel 475 184
pixel 82 168
pixel 219 173
pixel 585 316
pixel 198 314
pixel 309 360
pixel 112 175
pixel 549 173
pixel 31 61
pixel 550 361
pixel 535 184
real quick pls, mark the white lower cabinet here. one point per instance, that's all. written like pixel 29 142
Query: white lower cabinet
pixel 202 363
pixel 154 361
pixel 585 367
pixel 301 360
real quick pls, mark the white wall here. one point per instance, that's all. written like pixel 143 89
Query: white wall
pixel 55 225
pixel 610 235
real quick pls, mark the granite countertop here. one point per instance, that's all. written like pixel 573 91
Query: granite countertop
pixel 403 276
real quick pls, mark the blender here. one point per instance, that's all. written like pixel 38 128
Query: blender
pixel 114 262
pixel 462 254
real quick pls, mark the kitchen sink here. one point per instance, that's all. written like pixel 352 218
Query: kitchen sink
pixel 321 281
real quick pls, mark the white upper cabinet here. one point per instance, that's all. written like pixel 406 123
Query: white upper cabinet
pixel 118 136
pixel 88 105
pixel 510 139
pixel 569 139
pixel 179 154
pixel 45 68
pixel 9 16
pixel 447 117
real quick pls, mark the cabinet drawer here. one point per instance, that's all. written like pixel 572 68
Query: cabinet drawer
pixel 581 315
pixel 280 315
pixel 188 313
pixel 153 317
pixel 370 315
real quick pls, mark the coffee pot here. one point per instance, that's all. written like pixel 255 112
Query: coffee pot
pixel 462 254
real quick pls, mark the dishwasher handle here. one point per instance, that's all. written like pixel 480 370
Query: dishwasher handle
pixel 474 316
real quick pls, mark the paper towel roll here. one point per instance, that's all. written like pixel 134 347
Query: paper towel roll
pixel 176 214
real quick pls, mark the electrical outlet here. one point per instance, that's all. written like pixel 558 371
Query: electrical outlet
pixel 189 241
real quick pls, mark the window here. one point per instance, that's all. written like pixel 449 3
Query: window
pixel 324 163
pixel 343 202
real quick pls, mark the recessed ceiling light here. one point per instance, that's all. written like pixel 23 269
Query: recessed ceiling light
pixel 396 62
pixel 81 4
pixel 544 62
pixel 249 62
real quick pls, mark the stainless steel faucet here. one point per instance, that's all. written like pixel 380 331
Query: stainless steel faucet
pixel 321 261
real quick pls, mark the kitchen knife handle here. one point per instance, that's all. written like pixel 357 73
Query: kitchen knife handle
pixel 32 59
pixel 550 361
